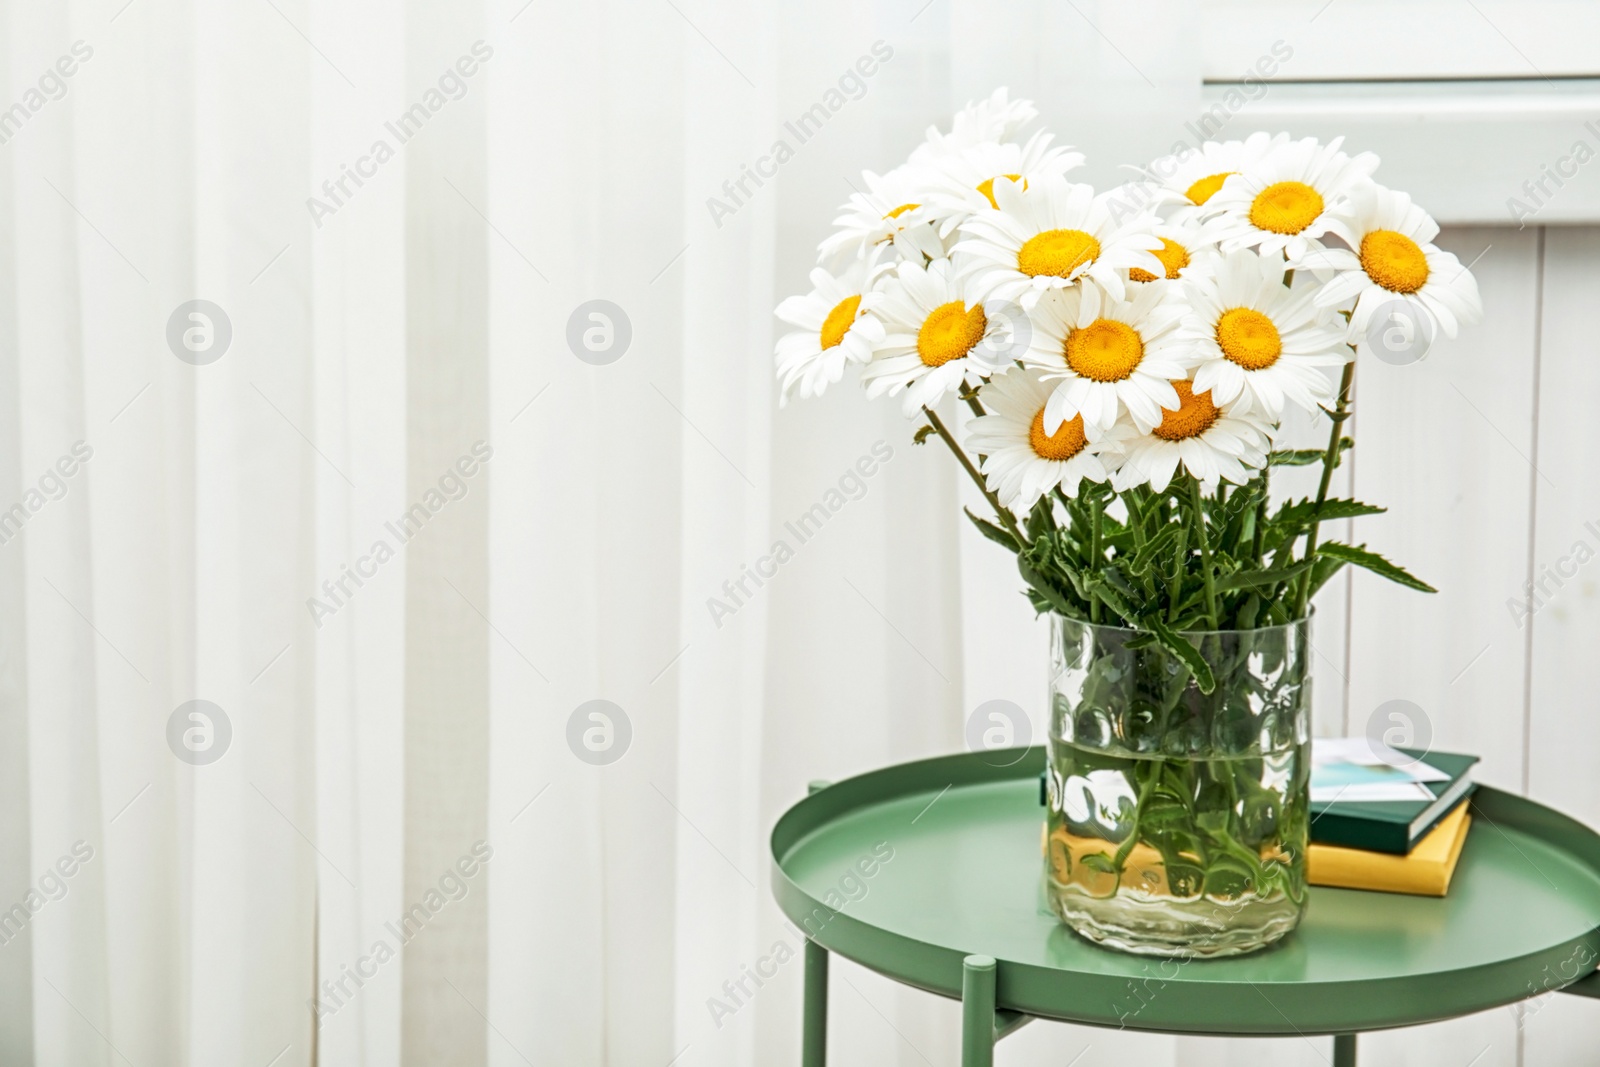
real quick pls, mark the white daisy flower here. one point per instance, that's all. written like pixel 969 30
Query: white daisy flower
pixel 935 337
pixel 1394 259
pixel 1185 251
pixel 1213 444
pixel 1259 341
pixel 1108 355
pixel 835 329
pixel 1286 202
pixel 1052 233
pixel 1021 462
pixel 962 183
pixel 922 244
pixel 1186 182
pixel 894 208
pixel 997 118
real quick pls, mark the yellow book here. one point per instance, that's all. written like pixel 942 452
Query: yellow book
pixel 1425 871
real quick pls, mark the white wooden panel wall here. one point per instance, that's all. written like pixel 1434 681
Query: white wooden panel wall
pixel 1564 661
pixel 1447 443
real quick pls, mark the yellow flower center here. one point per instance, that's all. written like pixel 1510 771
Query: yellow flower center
pixel 1065 443
pixel 1104 351
pixel 950 332
pixel 1057 253
pixel 901 210
pixel 1172 255
pixel 1394 261
pixel 986 187
pixel 1249 338
pixel 1194 416
pixel 839 321
pixel 1207 187
pixel 1286 207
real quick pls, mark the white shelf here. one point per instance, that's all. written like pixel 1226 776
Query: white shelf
pixel 1406 39
pixel 1463 149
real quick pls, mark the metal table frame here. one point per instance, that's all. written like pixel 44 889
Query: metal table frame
pixel 985 1023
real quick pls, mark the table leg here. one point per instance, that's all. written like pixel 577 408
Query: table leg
pixel 1344 1050
pixel 977 1011
pixel 814 1029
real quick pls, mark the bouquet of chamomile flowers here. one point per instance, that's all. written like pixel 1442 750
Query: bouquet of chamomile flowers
pixel 1128 356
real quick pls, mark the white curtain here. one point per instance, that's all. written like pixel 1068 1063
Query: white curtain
pixel 398 532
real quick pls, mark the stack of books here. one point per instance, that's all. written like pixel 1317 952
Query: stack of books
pixel 1387 819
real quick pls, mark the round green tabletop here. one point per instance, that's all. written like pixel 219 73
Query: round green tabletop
pixel 911 869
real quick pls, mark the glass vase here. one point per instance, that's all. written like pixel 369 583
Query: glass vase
pixel 1178 819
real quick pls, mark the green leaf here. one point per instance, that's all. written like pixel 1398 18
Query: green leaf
pixel 921 435
pixel 1098 862
pixel 1194 598
pixel 993 532
pixel 1304 456
pixel 1257 579
pixel 1246 619
pixel 1154 549
pixel 1301 512
pixel 1121 540
pixel 1075 578
pixel 1176 644
pixel 1346 509
pixel 1040 519
pixel 1116 580
pixel 1042 586
pixel 1097 586
pixel 1295 457
pixel 1325 568
pixel 1358 555
pixel 1239 516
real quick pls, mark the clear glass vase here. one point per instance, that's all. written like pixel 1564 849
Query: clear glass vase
pixel 1178 819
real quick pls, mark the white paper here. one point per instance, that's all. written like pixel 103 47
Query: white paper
pixel 1361 752
pixel 1327 794
pixel 1356 769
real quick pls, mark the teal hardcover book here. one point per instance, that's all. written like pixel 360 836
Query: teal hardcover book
pixel 1392 826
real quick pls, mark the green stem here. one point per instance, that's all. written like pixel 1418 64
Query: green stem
pixel 1095 508
pixel 1329 460
pixel 1175 583
pixel 1205 552
pixel 1001 512
pixel 1136 522
pixel 1152 777
pixel 1261 519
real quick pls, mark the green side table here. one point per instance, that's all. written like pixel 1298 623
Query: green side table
pixel 930 873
